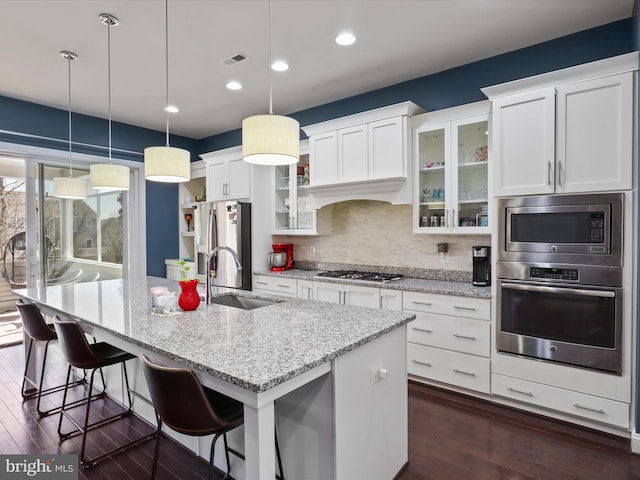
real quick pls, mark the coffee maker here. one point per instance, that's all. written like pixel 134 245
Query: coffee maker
pixel 282 257
pixel 481 266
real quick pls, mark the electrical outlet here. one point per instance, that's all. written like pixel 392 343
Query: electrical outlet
pixel 444 257
pixel 313 251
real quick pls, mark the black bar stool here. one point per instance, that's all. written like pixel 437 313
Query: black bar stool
pixel 80 354
pixel 38 330
pixel 186 406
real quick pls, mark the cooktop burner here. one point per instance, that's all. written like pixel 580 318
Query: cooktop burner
pixel 356 275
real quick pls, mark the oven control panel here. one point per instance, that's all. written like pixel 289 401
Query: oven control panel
pixel 567 274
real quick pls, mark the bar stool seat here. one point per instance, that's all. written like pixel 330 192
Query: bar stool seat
pixel 187 407
pixel 80 354
pixel 38 330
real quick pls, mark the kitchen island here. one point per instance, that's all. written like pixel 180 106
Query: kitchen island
pixel 338 373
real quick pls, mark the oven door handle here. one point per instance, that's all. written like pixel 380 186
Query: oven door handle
pixel 573 291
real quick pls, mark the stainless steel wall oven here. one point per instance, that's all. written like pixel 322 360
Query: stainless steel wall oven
pixel 559 269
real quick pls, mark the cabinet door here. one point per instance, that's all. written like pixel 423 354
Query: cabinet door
pixel 352 154
pixel 387 148
pixel 323 158
pixel 524 143
pixel 239 180
pixel 305 289
pixel 595 135
pixel 327 292
pixel 361 296
pixel 391 300
pixel 217 175
pixel 434 155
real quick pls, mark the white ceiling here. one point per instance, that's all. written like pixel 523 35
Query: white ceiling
pixel 398 40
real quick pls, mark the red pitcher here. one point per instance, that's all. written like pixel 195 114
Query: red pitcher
pixel 189 298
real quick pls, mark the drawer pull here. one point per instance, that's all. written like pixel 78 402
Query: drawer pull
pixel 468 337
pixel 522 392
pixel 471 374
pixel 595 410
pixel 261 283
pixel 428 304
pixel 425 330
pixel 470 309
pixel 284 286
pixel 426 364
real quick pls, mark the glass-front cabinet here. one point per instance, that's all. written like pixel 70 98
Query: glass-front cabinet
pixel 294 209
pixel 451 194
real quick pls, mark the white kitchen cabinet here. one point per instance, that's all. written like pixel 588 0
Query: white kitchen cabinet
pixel 358 153
pixel 228 175
pixel 391 299
pixel 362 156
pixel 451 192
pixel 293 208
pixel 450 339
pixel 305 289
pixel 354 295
pixel 578 404
pixel 189 195
pixel 576 137
pixel 274 285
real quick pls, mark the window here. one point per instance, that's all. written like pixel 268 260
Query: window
pixel 89 243
pixel 88 222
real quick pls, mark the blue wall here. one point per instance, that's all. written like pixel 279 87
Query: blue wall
pixel 434 92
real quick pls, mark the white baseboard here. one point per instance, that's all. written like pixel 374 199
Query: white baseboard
pixel 635 442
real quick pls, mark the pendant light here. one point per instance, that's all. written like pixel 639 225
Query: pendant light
pixel 270 139
pixel 167 164
pixel 107 177
pixel 69 187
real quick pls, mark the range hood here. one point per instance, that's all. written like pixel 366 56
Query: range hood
pixel 396 191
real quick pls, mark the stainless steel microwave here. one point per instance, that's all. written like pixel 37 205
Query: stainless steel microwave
pixel 573 229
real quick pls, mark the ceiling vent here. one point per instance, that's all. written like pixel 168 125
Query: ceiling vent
pixel 232 60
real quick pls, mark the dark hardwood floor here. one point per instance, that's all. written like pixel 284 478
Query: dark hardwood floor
pixel 451 437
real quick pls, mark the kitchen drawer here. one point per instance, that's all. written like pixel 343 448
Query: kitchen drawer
pixel 567 401
pixel 467 371
pixel 468 307
pixel 287 286
pixel 464 335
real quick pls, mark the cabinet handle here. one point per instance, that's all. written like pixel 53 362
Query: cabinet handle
pixel 261 283
pixel 548 173
pixel 446 218
pixel 468 337
pixel 426 364
pixel 522 392
pixel 559 173
pixel 284 286
pixel 595 410
pixel 471 374
pixel 470 309
pixel 427 304
pixel 425 330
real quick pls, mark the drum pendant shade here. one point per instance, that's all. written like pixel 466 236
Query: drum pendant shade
pixel 70 187
pixel 270 140
pixel 167 164
pixel 107 177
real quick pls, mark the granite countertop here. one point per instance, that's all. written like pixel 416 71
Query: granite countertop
pixel 254 349
pixel 444 287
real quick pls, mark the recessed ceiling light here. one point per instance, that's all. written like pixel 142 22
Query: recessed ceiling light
pixel 172 109
pixel 280 66
pixel 233 85
pixel 345 38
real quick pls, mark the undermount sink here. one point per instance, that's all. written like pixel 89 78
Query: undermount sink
pixel 246 303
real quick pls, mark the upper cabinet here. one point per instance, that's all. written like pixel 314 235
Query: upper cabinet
pixel 451 184
pixel 362 156
pixel 228 175
pixel 573 133
pixel 294 212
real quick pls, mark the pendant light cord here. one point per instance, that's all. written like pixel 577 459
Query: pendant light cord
pixel 166 62
pixel 270 63
pixel 69 102
pixel 109 81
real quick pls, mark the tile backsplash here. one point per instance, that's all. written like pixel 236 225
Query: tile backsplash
pixel 377 233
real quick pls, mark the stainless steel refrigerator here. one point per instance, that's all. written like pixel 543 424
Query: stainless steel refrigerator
pixel 226 225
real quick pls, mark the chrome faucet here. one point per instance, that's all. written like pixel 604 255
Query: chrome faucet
pixel 210 276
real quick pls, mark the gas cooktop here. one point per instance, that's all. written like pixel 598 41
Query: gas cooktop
pixel 356 275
